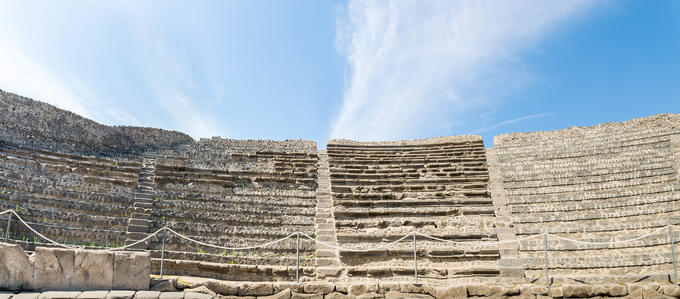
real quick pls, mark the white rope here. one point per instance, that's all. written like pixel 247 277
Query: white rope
pixel 228 248
pixel 36 232
pixel 388 245
pixel 613 242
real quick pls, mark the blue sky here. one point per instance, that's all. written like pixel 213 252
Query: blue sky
pixel 361 70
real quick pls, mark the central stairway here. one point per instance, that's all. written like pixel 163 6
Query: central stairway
pixel 140 218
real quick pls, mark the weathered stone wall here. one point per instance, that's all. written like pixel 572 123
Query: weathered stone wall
pixel 72 269
pixel 604 183
pixel 39 125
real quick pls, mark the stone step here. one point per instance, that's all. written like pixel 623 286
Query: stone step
pixel 136 235
pixel 143 205
pixel 355 213
pixel 143 216
pixel 139 221
pixel 140 246
pixel 137 228
pixel 380 237
pixel 433 202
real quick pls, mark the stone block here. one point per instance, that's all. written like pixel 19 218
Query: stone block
pixel 59 295
pixel 671 290
pixel 451 292
pixel 131 270
pixel 171 295
pixel 399 295
pixel 147 295
pixel 201 290
pixel 198 296
pixel 93 270
pixel 53 268
pixel 27 295
pixel 578 290
pixel 256 289
pixel 6 295
pixel 357 289
pixel 337 295
pixel 284 294
pixel 223 287
pixel 295 295
pixel 16 271
pixel 93 295
pixel 120 295
pixel 481 290
pixel 318 288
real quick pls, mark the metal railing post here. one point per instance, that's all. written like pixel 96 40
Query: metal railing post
pixel 545 244
pixel 165 233
pixel 9 223
pixel 297 260
pixel 675 267
pixel 415 257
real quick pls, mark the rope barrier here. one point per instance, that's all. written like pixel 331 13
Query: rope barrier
pixel 386 246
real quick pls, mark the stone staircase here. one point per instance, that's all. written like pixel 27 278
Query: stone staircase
pixel 140 218
pixel 327 262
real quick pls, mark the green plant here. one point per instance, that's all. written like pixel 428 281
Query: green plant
pixel 2 193
pixel 114 163
pixel 16 208
pixel 201 251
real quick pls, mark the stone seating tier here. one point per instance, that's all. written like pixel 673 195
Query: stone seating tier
pixel 383 191
pixel 56 194
pixel 613 184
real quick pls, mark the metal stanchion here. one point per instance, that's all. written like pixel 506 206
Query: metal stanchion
pixel 297 261
pixel 675 267
pixel 9 223
pixel 415 257
pixel 165 233
pixel 545 244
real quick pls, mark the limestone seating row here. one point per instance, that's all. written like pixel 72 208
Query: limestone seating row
pixel 584 174
pixel 66 204
pixel 460 223
pixel 594 195
pixel 411 202
pixel 232 272
pixel 477 195
pixel 574 150
pixel 610 203
pixel 594 137
pixel 615 185
pixel 94 167
pixel 607 213
pixel 410 181
pixel 358 213
pixel 601 225
pixel 599 162
pixel 115 196
pixel 582 180
pixel 422 163
pixel 92 236
pixel 404 146
pixel 599 260
pixel 608 239
pixel 550 170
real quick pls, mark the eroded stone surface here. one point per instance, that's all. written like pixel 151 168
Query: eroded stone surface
pixel 53 268
pixel 16 271
pixel 131 270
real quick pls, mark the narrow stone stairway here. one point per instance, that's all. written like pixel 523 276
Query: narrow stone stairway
pixel 327 262
pixel 140 218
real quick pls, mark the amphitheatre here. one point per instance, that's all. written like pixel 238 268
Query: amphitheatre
pixel 94 211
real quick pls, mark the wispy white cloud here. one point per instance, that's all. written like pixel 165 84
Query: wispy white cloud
pixel 510 121
pixel 416 65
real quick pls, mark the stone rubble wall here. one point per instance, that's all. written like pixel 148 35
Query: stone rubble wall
pixel 39 125
pixel 72 269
